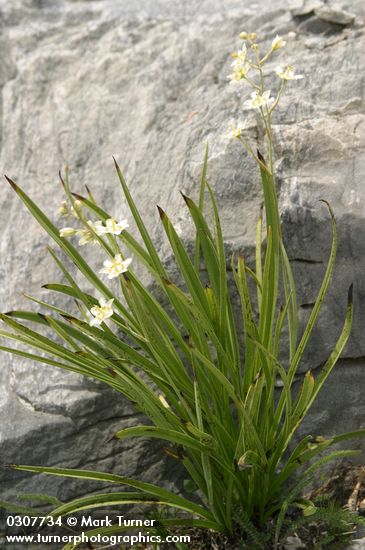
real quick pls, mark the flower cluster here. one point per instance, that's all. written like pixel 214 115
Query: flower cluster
pixel 246 66
pixel 96 228
pixel 113 267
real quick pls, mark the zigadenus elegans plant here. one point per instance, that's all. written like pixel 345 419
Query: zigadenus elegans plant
pixel 213 399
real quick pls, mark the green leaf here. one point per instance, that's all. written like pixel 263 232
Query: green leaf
pixel 146 488
pixel 186 267
pixel 141 226
pixel 205 443
pixel 321 295
pixel 201 205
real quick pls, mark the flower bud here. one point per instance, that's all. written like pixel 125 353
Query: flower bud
pixel 248 36
pixel 163 401
pixel 63 209
pixel 277 43
pixel 67 232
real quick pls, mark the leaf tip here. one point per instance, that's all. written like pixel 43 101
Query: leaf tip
pixel 328 206
pixel 350 294
pixel 261 211
pixel 260 157
pixel 161 212
pixel 8 466
pixel 11 182
pixel 69 318
pixel 78 197
pixel 61 178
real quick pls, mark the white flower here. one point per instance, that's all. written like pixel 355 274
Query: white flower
pixel 236 131
pixel 258 100
pixel 98 227
pixel 287 73
pixel 67 232
pixel 75 208
pixel 240 66
pixel 241 54
pixel 102 312
pixel 88 236
pixel 277 43
pixel 240 71
pixel 116 266
pixel 114 227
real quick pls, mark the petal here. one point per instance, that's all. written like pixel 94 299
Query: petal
pixel 94 322
pixel 127 262
pixel 123 224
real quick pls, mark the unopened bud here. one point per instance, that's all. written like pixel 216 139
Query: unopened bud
pixel 248 36
pixel 63 209
pixel 163 401
pixel 67 232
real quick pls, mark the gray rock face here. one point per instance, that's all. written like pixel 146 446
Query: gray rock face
pixel 146 82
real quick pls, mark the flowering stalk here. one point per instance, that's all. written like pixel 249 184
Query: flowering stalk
pixel 260 97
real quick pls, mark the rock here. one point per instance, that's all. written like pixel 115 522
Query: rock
pixel 319 18
pixel 334 15
pixel 316 25
pixel 146 81
pixel 359 539
pixel 358 544
pixel 293 543
pixel 306 8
